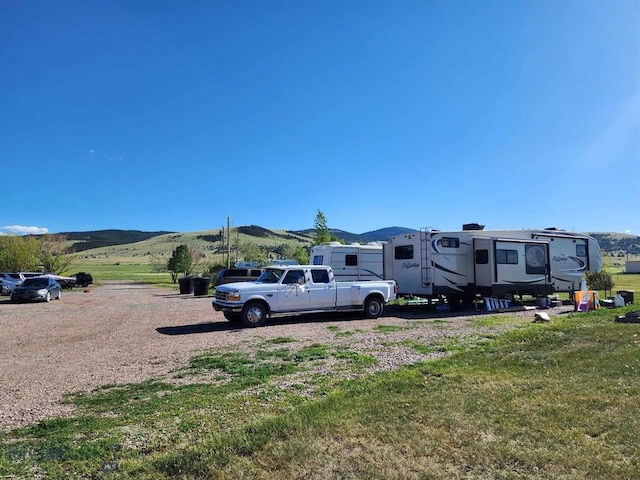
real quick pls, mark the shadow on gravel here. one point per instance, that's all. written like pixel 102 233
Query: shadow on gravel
pixel 271 322
pixel 198 328
pixel 183 296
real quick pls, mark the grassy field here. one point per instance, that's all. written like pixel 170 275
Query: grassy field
pixel 557 400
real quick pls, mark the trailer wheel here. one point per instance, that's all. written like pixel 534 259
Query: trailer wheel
pixel 233 317
pixel 253 314
pixel 373 307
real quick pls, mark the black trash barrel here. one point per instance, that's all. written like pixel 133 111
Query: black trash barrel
pixel 201 286
pixel 186 285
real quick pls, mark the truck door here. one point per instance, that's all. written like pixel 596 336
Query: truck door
pixel 322 291
pixel 293 294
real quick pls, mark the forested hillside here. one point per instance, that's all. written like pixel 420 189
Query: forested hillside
pixel 618 244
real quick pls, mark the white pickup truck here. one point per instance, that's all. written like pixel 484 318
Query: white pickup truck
pixel 300 289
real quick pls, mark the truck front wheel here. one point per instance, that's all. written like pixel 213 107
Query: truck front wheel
pixel 233 317
pixel 253 314
pixel 373 307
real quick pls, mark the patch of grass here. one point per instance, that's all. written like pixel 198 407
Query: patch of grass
pixel 492 320
pixel 393 328
pixel 341 333
pixel 279 341
pixel 355 359
pixel 317 351
pixel 250 370
pixel 419 347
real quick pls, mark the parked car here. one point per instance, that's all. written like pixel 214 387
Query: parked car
pixel 83 279
pixel 233 275
pixel 8 281
pixel 36 288
pixel 6 287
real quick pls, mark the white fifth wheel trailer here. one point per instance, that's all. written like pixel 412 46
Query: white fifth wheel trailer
pixel 350 262
pixel 462 265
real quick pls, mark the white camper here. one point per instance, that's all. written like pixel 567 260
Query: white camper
pixel 350 262
pixel 461 265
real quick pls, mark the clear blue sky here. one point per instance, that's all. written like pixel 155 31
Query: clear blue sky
pixel 171 115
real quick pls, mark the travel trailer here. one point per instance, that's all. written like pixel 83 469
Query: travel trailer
pixel 461 265
pixel 350 262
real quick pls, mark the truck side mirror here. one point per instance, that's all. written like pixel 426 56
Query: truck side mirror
pixel 300 280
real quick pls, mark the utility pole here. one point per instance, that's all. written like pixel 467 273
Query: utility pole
pixel 228 242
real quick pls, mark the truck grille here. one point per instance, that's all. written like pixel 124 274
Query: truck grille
pixel 221 295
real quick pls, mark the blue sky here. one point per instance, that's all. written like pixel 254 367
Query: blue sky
pixel 167 115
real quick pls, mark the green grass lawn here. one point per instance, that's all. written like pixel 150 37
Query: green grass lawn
pixel 544 401
pixel 102 271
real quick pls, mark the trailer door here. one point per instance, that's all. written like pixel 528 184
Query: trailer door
pixel 483 264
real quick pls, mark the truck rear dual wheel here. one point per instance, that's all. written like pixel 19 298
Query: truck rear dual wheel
pixel 253 314
pixel 373 307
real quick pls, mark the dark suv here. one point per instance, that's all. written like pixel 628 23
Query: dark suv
pixel 231 275
pixel 83 279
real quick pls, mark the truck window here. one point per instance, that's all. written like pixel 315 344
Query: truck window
pixel 317 259
pixel 293 276
pixel 505 256
pixel 403 252
pixel 319 276
pixel 351 260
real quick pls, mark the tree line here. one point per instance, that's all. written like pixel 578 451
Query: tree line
pixel 44 253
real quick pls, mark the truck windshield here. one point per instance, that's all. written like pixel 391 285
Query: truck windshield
pixel 270 275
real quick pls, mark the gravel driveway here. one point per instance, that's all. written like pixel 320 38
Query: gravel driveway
pixel 123 332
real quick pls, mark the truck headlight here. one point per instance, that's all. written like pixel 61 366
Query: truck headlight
pixel 233 296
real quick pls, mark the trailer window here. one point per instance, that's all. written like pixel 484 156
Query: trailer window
pixel 317 259
pixel 581 250
pixel 319 276
pixel 450 242
pixel 504 256
pixel 535 259
pixel 404 252
pixel 351 260
pixel 482 257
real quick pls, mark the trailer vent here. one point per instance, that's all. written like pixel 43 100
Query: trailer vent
pixel 472 226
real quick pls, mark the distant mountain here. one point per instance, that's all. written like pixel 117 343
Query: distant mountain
pixel 385 234
pixel 81 241
pixel 105 238
pixel 611 243
pixel 618 243
pixel 381 235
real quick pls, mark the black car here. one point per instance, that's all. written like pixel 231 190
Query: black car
pixel 36 288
